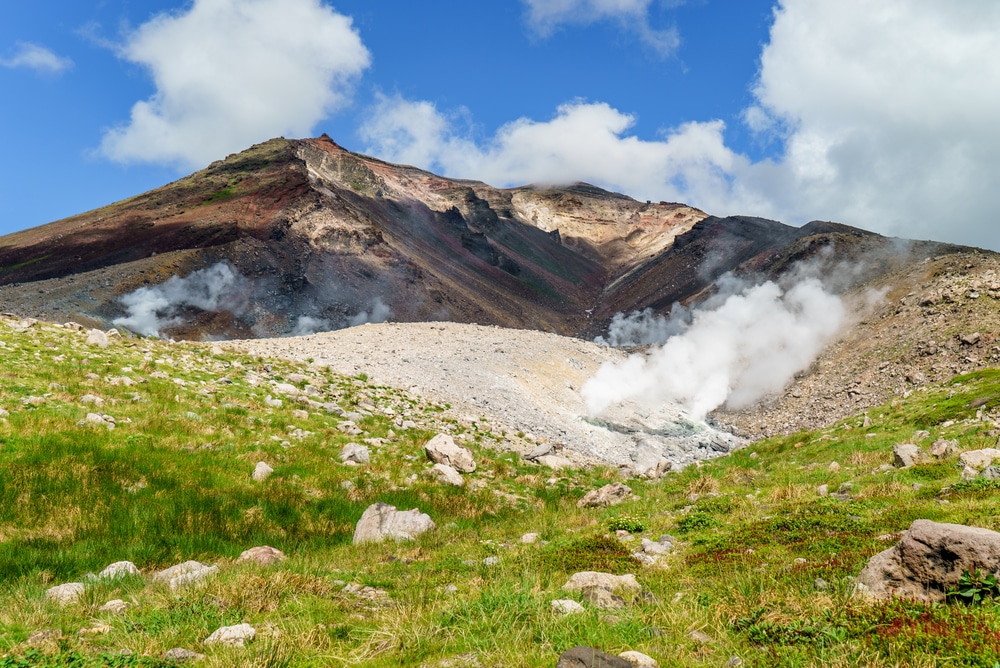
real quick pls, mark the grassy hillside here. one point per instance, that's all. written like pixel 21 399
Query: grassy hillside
pixel 761 570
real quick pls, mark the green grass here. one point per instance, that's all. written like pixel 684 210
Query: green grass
pixel 172 482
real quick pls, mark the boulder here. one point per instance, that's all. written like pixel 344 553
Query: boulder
pixel 979 459
pixel 906 455
pixel 588 657
pixel 233 636
pixel 600 597
pixel 97 338
pixel 355 453
pixel 119 569
pixel 442 449
pixel 380 521
pixel 539 451
pixel 609 495
pixel 262 472
pixel 181 655
pixel 941 448
pixel 446 475
pixel 928 561
pixel 590 579
pixel 187 573
pixel 263 555
pixel 65 594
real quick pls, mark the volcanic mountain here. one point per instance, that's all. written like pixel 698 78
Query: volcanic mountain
pixel 312 234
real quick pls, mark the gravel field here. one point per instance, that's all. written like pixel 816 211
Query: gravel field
pixel 518 380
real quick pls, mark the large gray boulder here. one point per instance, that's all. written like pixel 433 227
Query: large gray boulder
pixel 442 449
pixel 380 521
pixel 929 560
pixel 906 455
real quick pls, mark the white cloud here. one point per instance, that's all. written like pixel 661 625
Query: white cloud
pixel 229 73
pixel 544 16
pixel 38 58
pixel 583 142
pixel 885 118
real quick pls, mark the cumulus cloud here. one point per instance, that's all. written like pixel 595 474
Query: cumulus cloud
pixel 38 58
pixel 544 16
pixel 584 142
pixel 883 117
pixel 229 73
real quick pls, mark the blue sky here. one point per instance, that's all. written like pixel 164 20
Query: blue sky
pixel 880 115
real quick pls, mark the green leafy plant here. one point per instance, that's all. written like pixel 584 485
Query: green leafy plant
pixel 631 523
pixel 974 587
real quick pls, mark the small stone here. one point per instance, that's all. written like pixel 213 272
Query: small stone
pixel 181 655
pixel 115 606
pixel 609 495
pixel 529 538
pixel 589 657
pixel 566 606
pixel 539 451
pixel 262 472
pixel 233 636
pixel 96 630
pixel 555 462
pixel 639 660
pixel 491 561
pixel 263 555
pixel 734 662
pixel 44 637
pixel 658 547
pixel 700 637
pixel 119 569
pixel 97 338
pixel 942 448
pixel 799 561
pixel 821 584
pixel 834 467
pixel 823 490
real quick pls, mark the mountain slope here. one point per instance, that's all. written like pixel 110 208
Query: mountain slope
pixel 329 237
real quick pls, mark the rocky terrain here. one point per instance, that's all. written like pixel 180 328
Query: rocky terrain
pixel 320 238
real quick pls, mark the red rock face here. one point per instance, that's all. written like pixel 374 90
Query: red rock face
pixel 322 232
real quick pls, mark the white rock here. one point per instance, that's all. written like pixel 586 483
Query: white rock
pixel 115 606
pixel 272 402
pixel 588 579
pixel 187 573
pixel 97 338
pixel 446 475
pixel 979 459
pixel 286 389
pixel 356 453
pixel 262 472
pixel 639 659
pixel 442 450
pixel 529 538
pixel 65 594
pixel 555 462
pixel 119 569
pixel 233 636
pixel 92 399
pixel 381 521
pixel 264 555
pixel 651 547
pixel 567 606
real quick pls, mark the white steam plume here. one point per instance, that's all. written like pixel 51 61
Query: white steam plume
pixel 643 328
pixel 735 354
pixel 306 325
pixel 217 288
pixel 380 312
